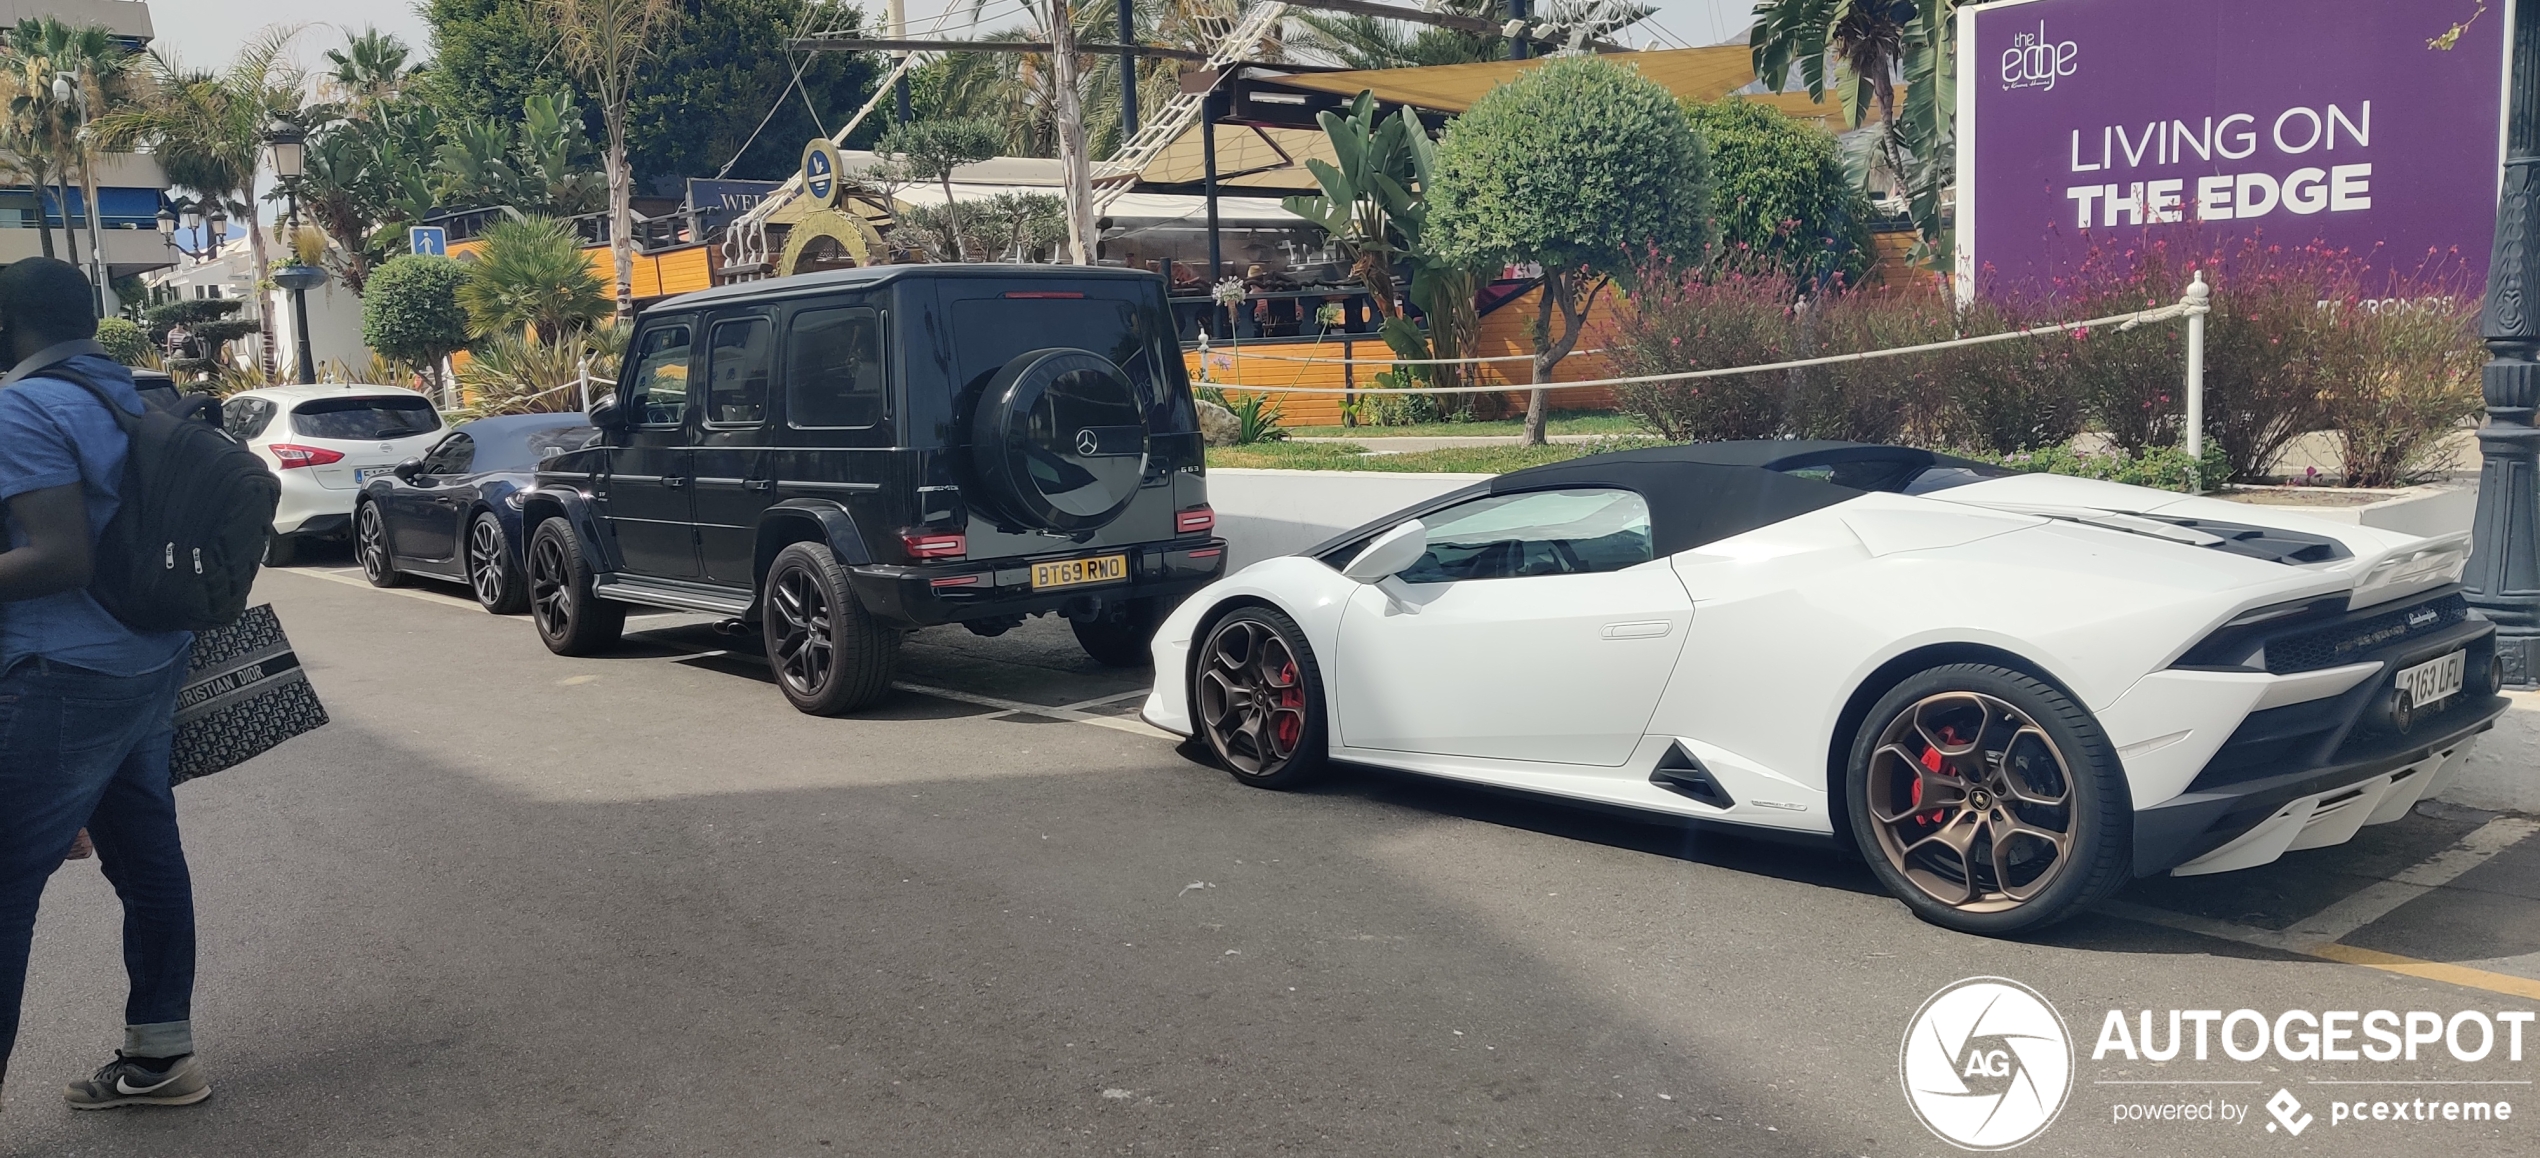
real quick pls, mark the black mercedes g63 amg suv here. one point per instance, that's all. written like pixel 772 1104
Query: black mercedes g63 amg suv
pixel 843 457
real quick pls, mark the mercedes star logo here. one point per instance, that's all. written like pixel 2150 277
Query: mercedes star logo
pixel 1088 443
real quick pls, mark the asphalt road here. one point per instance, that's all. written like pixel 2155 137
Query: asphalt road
pixel 509 903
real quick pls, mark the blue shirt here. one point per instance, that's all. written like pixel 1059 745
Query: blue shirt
pixel 54 433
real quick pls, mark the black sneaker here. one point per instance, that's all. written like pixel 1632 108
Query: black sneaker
pixel 126 1082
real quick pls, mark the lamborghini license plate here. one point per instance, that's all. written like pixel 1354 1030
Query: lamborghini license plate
pixel 1077 572
pixel 2435 679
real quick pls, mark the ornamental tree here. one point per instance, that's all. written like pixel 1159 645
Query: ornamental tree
pixel 1781 195
pixel 411 310
pixel 1583 167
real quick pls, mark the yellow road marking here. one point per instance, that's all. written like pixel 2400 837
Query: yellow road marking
pixel 2318 935
pixel 2430 970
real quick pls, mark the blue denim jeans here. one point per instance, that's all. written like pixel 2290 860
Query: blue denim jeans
pixel 82 748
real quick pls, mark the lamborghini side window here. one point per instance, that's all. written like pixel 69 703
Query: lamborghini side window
pixel 1566 532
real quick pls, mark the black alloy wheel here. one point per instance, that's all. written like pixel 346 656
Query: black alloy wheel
pixel 570 620
pixel 497 581
pixel 370 546
pixel 828 653
pixel 1988 801
pixel 1257 695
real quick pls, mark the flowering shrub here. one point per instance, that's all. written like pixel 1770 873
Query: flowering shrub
pixel 2300 339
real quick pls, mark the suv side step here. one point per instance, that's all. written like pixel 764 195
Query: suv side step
pixel 680 597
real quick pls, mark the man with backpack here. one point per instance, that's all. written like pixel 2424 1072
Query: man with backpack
pixel 85 698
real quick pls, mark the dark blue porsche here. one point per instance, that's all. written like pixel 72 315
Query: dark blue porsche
pixel 454 513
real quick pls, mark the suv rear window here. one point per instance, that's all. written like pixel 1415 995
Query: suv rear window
pixel 994 330
pixel 357 419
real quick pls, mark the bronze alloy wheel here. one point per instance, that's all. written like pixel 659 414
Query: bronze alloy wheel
pixel 1259 697
pixel 370 542
pixel 1972 802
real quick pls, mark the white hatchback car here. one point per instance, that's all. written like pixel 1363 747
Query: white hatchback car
pixel 324 441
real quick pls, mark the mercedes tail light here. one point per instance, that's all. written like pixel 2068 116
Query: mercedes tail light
pixel 934 545
pixel 1193 521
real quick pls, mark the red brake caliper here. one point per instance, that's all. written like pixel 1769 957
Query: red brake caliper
pixel 1291 724
pixel 1932 762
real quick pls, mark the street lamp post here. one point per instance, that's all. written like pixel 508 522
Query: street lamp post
pixel 290 162
pixel 2503 578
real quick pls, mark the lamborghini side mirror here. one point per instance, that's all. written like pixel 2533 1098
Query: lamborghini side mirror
pixel 1389 553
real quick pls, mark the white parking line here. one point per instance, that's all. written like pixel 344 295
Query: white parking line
pixel 1099 701
pixel 352 577
pixel 1115 723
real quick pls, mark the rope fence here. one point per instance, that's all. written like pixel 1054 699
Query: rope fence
pixel 2193 307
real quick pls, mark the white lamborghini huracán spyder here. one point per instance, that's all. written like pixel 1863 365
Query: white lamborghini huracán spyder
pixel 2011 691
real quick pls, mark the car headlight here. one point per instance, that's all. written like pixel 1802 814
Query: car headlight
pixel 512 499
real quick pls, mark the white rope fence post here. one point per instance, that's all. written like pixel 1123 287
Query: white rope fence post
pixel 582 374
pixel 2198 303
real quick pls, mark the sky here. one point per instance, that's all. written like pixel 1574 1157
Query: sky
pixel 207 33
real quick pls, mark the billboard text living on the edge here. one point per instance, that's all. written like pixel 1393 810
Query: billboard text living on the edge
pixel 2294 121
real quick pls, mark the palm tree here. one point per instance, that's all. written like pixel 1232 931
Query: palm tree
pixel 207 131
pixel 532 274
pixel 1865 45
pixel 371 68
pixel 54 71
pixel 607 41
pixel 1361 41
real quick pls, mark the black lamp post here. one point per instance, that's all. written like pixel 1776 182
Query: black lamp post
pixel 2503 579
pixel 290 162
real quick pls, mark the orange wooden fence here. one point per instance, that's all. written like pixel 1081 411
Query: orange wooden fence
pixel 1268 366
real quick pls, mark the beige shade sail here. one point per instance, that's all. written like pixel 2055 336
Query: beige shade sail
pixel 1698 73
pixel 1264 158
pixel 1250 157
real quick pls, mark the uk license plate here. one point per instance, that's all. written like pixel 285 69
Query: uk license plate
pixel 1077 572
pixel 2435 679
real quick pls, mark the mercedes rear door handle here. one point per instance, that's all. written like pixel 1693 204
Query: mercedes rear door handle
pixel 674 481
pixel 1638 629
pixel 758 484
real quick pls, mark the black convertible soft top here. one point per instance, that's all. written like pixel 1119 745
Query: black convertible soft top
pixel 1708 491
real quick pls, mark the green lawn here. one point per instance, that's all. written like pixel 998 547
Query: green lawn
pixel 1583 423
pixel 1454 460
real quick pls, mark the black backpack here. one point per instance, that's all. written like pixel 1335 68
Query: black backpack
pixel 196 508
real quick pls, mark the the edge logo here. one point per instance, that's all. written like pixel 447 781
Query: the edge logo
pixel 2033 61
pixel 1987 1064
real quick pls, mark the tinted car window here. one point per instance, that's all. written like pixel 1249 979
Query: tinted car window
pixel 356 419
pixel 657 392
pixel 451 455
pixel 833 368
pixel 737 369
pixel 546 444
pixel 245 418
pixel 1565 532
pixel 989 332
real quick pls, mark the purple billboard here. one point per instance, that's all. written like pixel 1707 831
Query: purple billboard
pixel 2091 121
